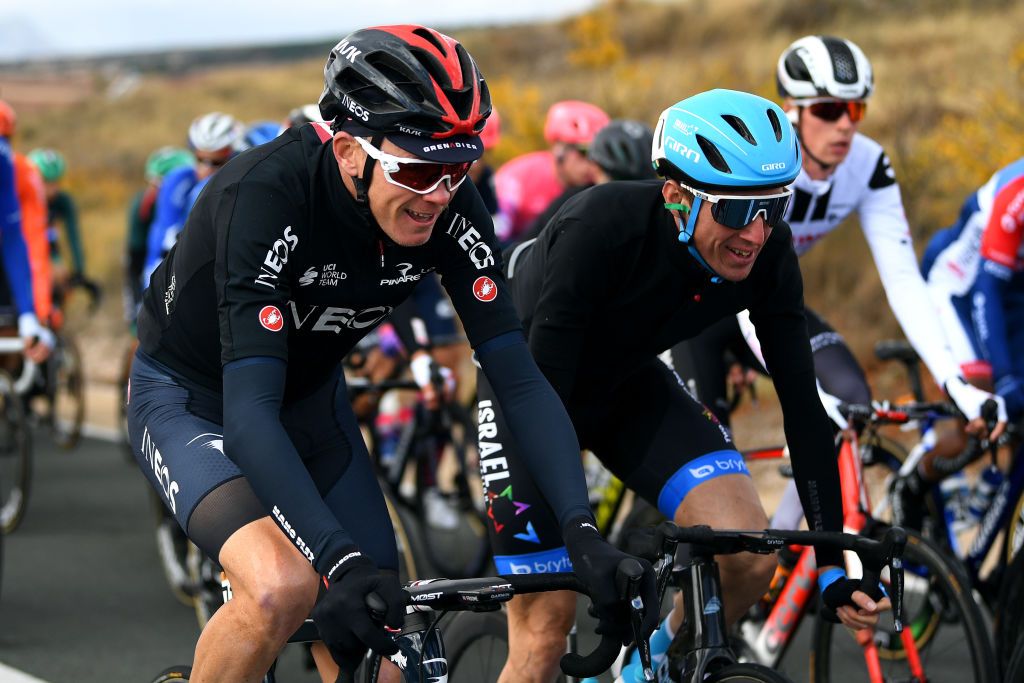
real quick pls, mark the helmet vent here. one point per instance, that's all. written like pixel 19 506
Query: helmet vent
pixel 843 65
pixel 397 74
pixel 712 154
pixel 740 127
pixel 776 124
pixel 431 37
pixel 796 67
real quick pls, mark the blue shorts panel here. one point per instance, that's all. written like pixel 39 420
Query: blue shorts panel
pixel 180 453
pixel 696 472
pixel 544 562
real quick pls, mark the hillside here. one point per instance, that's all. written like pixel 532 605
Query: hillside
pixel 948 107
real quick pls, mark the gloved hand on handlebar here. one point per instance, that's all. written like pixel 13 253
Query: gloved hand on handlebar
pixel 1011 390
pixel 425 371
pixel 342 617
pixel 594 561
pixel 848 602
pixel 970 400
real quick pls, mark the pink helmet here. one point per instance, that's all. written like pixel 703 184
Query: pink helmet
pixel 492 130
pixel 573 122
pixel 7 119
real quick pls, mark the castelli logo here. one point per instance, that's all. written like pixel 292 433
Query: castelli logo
pixel 271 318
pixel 485 289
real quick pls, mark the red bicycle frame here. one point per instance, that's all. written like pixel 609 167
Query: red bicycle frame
pixel 797 592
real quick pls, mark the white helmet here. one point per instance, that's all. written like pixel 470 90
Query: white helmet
pixel 214 131
pixel 823 66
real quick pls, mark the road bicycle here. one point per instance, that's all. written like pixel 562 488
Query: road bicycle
pixel 446 530
pixel 702 650
pixel 15 440
pixel 999 515
pixel 422 654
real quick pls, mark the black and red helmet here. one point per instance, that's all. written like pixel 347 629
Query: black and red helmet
pixel 405 79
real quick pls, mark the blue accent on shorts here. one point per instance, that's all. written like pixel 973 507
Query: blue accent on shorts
pixel 695 473
pixel 545 562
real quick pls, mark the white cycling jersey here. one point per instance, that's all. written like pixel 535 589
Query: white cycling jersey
pixel 864 182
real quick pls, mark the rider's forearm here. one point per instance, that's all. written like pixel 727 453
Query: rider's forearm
pixel 256 441
pixel 539 422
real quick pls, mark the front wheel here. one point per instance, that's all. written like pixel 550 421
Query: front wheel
pixel 174 674
pixel 939 613
pixel 1009 618
pixel 15 457
pixel 476 645
pixel 735 673
pixel 66 393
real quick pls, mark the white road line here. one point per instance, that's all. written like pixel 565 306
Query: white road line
pixel 101 433
pixel 9 675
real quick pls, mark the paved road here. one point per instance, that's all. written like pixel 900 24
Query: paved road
pixel 83 598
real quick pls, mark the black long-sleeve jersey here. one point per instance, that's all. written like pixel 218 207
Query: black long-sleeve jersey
pixel 607 285
pixel 278 260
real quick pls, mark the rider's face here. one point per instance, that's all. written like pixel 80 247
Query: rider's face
pixel 827 141
pixel 406 217
pixel 730 253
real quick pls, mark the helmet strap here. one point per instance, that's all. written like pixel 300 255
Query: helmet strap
pixel 800 137
pixel 686 234
pixel 362 183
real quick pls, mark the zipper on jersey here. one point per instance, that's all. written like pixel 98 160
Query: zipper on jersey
pixel 380 248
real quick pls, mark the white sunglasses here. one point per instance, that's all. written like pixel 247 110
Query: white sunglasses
pixel 417 175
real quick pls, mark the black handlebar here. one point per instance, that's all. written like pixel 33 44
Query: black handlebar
pixel 485 594
pixel 874 555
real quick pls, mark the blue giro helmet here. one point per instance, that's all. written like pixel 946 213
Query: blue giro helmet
pixel 726 140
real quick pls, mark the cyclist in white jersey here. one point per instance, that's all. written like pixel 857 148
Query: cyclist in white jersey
pixel 825 83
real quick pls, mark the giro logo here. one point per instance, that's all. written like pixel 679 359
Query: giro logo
pixel 271 318
pixel 777 166
pixel 403 275
pixel 484 289
pixel 682 150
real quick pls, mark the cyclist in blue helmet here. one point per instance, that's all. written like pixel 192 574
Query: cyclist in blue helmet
pixel 622 272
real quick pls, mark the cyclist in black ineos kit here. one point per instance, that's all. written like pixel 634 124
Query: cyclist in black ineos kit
pixel 294 251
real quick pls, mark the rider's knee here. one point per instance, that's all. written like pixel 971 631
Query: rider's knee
pixel 753 572
pixel 284 597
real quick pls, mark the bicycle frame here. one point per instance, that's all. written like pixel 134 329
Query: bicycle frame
pixel 775 635
pixel 992 522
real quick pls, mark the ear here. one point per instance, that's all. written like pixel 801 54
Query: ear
pixel 792 111
pixel 349 154
pixel 673 194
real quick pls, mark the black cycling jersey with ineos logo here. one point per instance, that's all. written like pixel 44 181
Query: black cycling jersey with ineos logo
pixel 275 277
pixel 278 257
pixel 607 286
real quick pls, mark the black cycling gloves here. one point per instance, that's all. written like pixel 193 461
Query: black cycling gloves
pixel 594 562
pixel 342 616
